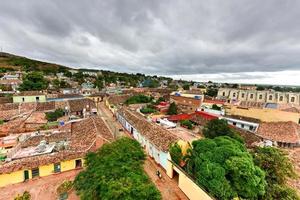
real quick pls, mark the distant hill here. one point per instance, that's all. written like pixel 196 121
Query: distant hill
pixel 10 61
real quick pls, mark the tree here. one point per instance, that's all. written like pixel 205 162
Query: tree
pixel 225 168
pixel 116 172
pixel 260 88
pixel 278 169
pixel 172 109
pixel 176 153
pixel 34 81
pixel 219 127
pixel 53 116
pixel 186 87
pixel 215 107
pixel 212 92
pixel 140 98
pixel 187 123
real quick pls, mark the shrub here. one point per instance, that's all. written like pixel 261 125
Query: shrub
pixel 187 123
pixel 25 196
pixel 53 116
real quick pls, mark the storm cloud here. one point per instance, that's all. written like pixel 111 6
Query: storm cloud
pixel 174 38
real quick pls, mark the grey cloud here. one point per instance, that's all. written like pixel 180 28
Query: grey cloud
pixel 156 37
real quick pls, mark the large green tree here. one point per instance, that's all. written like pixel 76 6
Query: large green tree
pixel 34 81
pixel 278 169
pixel 172 109
pixel 219 127
pixel 225 168
pixel 115 171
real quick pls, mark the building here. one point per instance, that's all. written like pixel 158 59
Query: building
pixel 154 138
pixel 29 96
pixel 185 102
pixel 45 154
pixel 283 134
pixel 245 123
pixel 266 96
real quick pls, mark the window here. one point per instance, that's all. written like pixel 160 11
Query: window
pixel 281 98
pixel 251 128
pixel 234 123
pixel 223 94
pixel 243 95
pixel 57 167
pixel 260 96
pixel 293 99
pixel 78 163
pixel 35 172
pixel 233 94
pixel 251 96
pixel 270 97
pixel 242 125
pixel 23 99
pixel 37 99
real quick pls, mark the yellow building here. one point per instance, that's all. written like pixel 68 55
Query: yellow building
pixel 266 115
pixel 40 171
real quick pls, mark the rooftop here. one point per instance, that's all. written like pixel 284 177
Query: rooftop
pixel 159 136
pixel 287 132
pixel 78 140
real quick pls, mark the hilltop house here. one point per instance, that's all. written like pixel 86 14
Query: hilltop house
pixel 29 96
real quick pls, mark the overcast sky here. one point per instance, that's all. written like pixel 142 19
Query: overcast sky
pixel 250 41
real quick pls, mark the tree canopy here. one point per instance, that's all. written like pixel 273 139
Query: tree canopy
pixel 172 109
pixel 140 98
pixel 278 169
pixel 219 127
pixel 34 81
pixel 115 171
pixel 225 168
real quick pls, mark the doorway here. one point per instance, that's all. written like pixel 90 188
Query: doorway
pixel 26 175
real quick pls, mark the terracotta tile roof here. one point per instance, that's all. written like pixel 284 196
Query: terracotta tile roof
pixel 77 105
pixel 45 106
pixel 214 101
pixel 249 119
pixel 82 139
pixel 29 93
pixel 287 132
pixel 179 117
pixel 118 99
pixel 201 118
pixel 157 135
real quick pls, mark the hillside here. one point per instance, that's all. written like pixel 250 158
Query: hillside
pixel 10 62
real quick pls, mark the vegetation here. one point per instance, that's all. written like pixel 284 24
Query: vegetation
pixel 225 169
pixel 25 196
pixel 278 169
pixel 115 171
pixel 147 110
pixel 64 189
pixel 172 109
pixel 53 116
pixel 219 127
pixel 159 100
pixel 140 98
pixel 187 123
pixel 1 121
pixel 60 84
pixel 34 81
pixel 176 153
pixel 212 92
pixel 216 107
pixel 186 87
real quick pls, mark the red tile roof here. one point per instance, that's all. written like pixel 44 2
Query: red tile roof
pixel 214 101
pixel 179 117
pixel 287 132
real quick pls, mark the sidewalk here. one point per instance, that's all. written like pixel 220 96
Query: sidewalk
pixel 167 186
